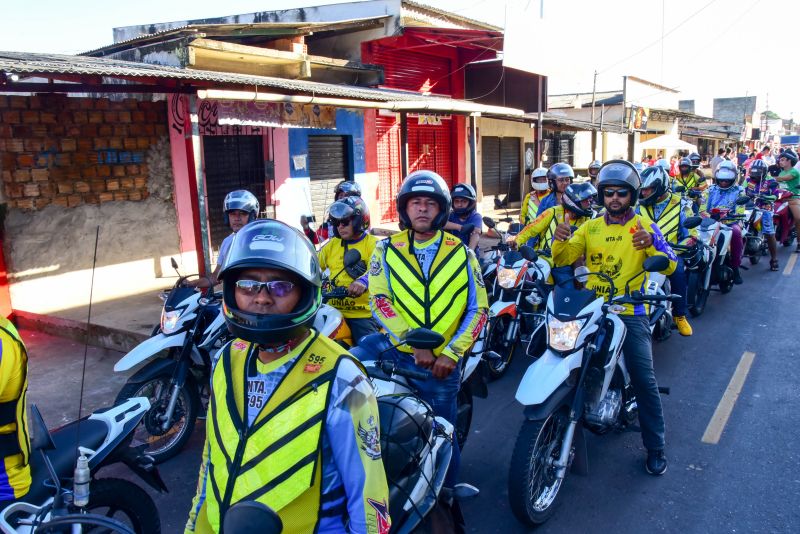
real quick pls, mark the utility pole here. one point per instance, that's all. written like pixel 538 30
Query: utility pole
pixel 594 132
pixel 542 102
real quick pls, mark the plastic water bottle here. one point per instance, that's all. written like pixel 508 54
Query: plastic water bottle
pixel 81 480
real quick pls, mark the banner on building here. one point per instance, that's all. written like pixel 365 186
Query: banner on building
pixel 282 115
pixel 637 120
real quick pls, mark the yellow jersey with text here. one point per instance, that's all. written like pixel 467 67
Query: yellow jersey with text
pixel 331 257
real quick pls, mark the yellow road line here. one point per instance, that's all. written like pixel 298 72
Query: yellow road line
pixel 790 265
pixel 725 407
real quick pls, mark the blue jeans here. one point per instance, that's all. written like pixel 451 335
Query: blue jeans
pixel 638 351
pixel 442 395
pixel 679 285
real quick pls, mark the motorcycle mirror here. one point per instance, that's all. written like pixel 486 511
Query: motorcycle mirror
pixel 528 253
pixel 582 274
pixel 351 258
pixel 489 222
pixel 41 439
pixel 422 338
pixel 174 263
pixel 741 201
pixel 654 264
pixel 692 222
pixel 506 219
pixel 252 517
pixel 515 228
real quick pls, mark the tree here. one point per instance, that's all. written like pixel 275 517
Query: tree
pixel 771 115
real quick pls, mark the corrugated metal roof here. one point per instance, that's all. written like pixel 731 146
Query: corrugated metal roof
pixel 67 67
pixel 450 15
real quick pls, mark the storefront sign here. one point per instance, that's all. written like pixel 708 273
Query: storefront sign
pixel 249 113
pixel 638 118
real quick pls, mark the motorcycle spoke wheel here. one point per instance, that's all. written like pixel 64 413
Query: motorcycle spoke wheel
pixel 495 339
pixel 532 483
pixel 125 502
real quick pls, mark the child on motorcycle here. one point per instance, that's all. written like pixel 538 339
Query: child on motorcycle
pixel 722 195
pixel 760 183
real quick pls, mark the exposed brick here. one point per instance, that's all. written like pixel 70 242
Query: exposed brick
pixel 115 142
pixel 31 190
pixel 39 130
pixel 100 143
pixel 86 103
pixel 5 130
pixel 3 101
pixel 143 142
pixel 110 116
pixel 105 197
pixel 129 143
pixel 25 160
pixel 132 169
pixel 140 182
pixel 63 159
pixel 2 145
pixel 84 158
pixel 40 175
pixel 69 145
pixel 85 144
pixel 34 145
pixel 152 116
pixel 30 117
pixel 80 117
pixel 74 131
pixel 130 103
pixel 105 130
pixel 104 171
pixel 89 172
pixel 12 117
pixel 18 102
pixel 81 187
pixel 150 130
pixel 124 116
pixel 24 204
pixel 61 201
pixel 120 195
pixel 138 116
pixel 8 177
pixel 60 173
pixel 121 130
pixel 40 203
pixel 65 188
pixel 127 183
pixel 64 117
pixel 95 117
pixel 14 190
pixel 161 130
pixel 48 118
pixel 97 186
pixel 74 200
pixel 46 190
pixel 134 195
pixel 21 131
pixel 144 169
pixel 102 103
pixel 90 199
pixel 22 175
pixel 58 130
pixel 118 171
pixel 89 130
pixel 112 185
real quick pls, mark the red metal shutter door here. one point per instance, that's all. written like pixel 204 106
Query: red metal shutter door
pixel 389 174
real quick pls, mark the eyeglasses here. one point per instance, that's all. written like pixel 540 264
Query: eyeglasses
pixel 275 288
pixel 342 222
pixel 621 193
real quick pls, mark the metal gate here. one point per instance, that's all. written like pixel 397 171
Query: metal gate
pixel 231 162
pixel 500 167
pixel 388 136
pixel 327 166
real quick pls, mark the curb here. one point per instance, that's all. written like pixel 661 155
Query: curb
pixel 98 335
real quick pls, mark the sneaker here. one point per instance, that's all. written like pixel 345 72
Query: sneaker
pixel 656 463
pixel 684 328
pixel 737 276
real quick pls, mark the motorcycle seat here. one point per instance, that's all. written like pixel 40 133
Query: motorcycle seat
pixel 63 457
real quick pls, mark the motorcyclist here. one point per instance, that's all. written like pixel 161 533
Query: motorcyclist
pixel 539 190
pixel 594 168
pixel 345 188
pixel 239 208
pixel 423 277
pixel 465 213
pixel 691 181
pixel 293 420
pixel 723 195
pixel 695 158
pixel 559 177
pixel 349 217
pixel 664 208
pixel 575 209
pixel 15 448
pixel 617 244
pixel 789 177
pixel 759 182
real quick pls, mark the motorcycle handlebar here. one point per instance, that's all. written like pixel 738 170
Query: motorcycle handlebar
pixel 391 369
pixel 338 293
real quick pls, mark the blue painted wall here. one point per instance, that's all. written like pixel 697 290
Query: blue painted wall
pixel 349 123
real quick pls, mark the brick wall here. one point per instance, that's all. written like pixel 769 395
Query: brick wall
pixel 71 151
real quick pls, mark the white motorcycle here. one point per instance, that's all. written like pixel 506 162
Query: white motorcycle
pixel 175 367
pixel 715 234
pixel 580 381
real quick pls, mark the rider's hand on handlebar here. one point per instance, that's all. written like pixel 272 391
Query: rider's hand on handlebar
pixel 511 241
pixel 424 358
pixel 443 367
pixel 563 232
pixel 356 289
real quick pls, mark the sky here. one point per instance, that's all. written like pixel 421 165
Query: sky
pixel 710 48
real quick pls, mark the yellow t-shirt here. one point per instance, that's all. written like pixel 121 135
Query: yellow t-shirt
pixel 15 481
pixel 332 257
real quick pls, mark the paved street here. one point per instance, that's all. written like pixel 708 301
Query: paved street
pixel 748 482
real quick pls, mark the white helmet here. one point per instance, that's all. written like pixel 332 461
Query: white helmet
pixel 726 171
pixel 539 172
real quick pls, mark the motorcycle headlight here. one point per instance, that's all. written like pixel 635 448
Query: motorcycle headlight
pixel 169 320
pixel 506 278
pixel 562 335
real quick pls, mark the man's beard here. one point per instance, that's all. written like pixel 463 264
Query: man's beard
pixel 617 212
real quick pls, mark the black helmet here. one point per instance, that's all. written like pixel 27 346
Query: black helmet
pixel 789 154
pixel 406 425
pixel 619 172
pixel 353 208
pixel 758 169
pixel 657 179
pixel 559 170
pixel 575 195
pixel 271 244
pixel 424 184
pixel 594 166
pixel 695 158
pixel 464 191
pixel 241 200
pixel 685 162
pixel 348 187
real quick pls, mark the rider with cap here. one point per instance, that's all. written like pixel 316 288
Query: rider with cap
pixel 789 176
pixel 293 420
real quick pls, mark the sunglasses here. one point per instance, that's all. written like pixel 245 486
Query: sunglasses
pixel 621 193
pixel 275 288
pixel 342 222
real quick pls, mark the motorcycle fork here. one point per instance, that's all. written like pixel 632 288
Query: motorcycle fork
pixel 179 377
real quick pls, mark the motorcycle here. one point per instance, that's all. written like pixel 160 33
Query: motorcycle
pixel 177 362
pixel 660 312
pixel 781 210
pixel 755 243
pixel 714 233
pixel 72 455
pixel 581 381
pixel 488 261
pixel 698 258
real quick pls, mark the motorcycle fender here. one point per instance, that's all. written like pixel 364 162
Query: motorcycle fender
pixel 144 466
pixel 148 349
pixel 544 376
pixel 120 421
pixel 477 381
pixel 503 308
pixel 562 395
pixel 153 369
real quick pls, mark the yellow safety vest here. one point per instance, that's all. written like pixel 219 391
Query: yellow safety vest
pixel 670 220
pixel 437 302
pixel 278 460
pixel 14 439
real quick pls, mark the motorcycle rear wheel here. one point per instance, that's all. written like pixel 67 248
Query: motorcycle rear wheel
pixel 163 445
pixel 697 294
pixel 126 502
pixel 463 416
pixel 755 258
pixel 533 488
pixel 495 340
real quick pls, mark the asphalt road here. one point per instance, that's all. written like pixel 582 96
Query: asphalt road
pixel 748 482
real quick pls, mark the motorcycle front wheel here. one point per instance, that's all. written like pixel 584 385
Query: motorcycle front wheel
pixel 464 416
pixel 124 501
pixel 163 445
pixel 697 294
pixel 496 341
pixel 532 483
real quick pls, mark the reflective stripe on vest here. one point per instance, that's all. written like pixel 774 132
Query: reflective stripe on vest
pixel 276 461
pixel 533 207
pixel 438 302
pixel 669 221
